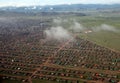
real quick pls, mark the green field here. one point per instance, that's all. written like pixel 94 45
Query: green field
pixel 105 38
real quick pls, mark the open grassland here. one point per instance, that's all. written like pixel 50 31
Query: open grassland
pixel 105 38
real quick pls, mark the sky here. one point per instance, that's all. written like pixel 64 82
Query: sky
pixel 53 2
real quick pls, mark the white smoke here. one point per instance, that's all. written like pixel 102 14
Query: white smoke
pixel 105 27
pixel 58 33
pixel 77 27
pixel 57 21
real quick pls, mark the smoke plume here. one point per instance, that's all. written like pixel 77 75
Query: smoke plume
pixel 77 27
pixel 57 21
pixel 105 27
pixel 58 33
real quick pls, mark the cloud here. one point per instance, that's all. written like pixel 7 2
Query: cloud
pixel 17 3
pixel 53 2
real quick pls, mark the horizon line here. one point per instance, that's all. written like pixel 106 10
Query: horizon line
pixel 62 4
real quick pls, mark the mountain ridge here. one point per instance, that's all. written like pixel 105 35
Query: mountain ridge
pixel 62 7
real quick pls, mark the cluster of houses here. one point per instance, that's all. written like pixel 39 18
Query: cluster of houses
pixel 32 55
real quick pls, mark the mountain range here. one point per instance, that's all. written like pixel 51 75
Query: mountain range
pixel 59 8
